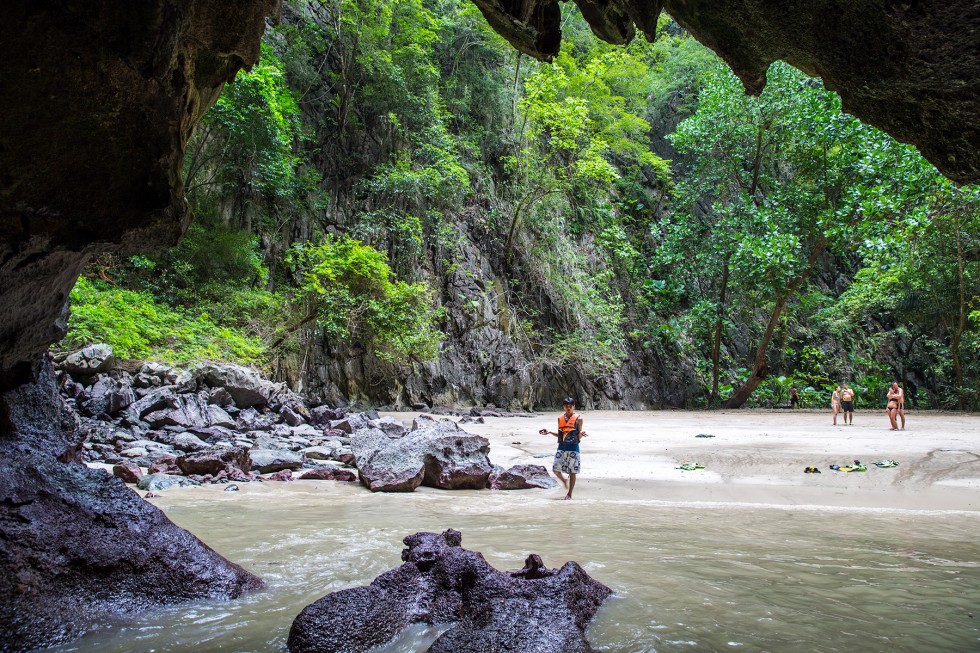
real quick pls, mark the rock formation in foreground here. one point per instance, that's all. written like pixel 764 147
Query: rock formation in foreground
pixel 76 545
pixel 535 610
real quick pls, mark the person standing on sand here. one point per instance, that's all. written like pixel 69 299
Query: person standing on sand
pixel 900 397
pixel 835 403
pixel 567 459
pixel 794 397
pixel 847 403
pixel 892 407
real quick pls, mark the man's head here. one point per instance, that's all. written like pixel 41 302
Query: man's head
pixel 895 384
pixel 568 404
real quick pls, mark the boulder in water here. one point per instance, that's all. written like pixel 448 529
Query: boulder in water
pixel 537 609
pixel 522 477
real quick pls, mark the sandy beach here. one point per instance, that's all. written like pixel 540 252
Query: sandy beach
pixel 758 457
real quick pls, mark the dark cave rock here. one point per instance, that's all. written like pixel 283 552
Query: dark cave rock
pixel 537 610
pixel 81 547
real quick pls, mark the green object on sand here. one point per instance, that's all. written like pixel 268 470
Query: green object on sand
pixel 690 467
pixel 886 463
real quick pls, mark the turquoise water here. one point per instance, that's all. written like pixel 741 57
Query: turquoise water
pixel 687 577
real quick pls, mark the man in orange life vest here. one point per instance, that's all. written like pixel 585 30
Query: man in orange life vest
pixel 567 458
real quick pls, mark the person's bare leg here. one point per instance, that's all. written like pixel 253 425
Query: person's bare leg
pixel 901 413
pixel 571 485
pixel 562 479
pixel 891 418
pixel 835 417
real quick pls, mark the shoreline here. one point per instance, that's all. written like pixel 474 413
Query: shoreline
pixel 757 457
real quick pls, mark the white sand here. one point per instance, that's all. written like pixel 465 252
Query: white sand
pixel 758 457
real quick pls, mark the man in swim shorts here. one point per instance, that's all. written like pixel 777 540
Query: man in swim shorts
pixel 567 459
pixel 847 403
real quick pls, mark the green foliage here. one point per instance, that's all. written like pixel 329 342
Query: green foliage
pixel 136 326
pixel 350 288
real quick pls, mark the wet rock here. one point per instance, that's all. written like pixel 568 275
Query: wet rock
pixel 435 453
pixel 329 474
pixel 265 461
pixel 88 361
pixel 536 610
pixel 128 472
pixel 283 475
pixel 215 460
pixel 522 477
pixel 160 482
pixel 231 488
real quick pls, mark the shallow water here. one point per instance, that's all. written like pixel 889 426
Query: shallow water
pixel 687 577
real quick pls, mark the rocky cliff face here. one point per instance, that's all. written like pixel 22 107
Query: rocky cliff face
pixel 486 358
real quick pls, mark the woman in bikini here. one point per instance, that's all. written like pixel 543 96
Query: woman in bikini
pixel 835 403
pixel 892 408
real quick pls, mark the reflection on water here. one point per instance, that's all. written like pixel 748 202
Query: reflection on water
pixel 686 577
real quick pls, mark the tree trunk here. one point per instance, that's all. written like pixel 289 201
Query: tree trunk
pixel 954 347
pixel 716 344
pixel 759 367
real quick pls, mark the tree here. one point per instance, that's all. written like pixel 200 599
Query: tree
pixel 774 179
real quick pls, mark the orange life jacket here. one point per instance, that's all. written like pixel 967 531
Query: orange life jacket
pixel 567 425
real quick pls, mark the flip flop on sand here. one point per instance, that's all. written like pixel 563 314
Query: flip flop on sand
pixel 811 470
pixel 886 463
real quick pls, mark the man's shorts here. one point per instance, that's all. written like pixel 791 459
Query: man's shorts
pixel 567 462
pixel 847 406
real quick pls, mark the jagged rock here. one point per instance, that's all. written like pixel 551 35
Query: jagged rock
pixel 290 416
pixel 391 426
pixel 281 475
pixel 159 482
pixel 165 464
pixel 88 361
pixel 265 461
pixel 220 397
pixel 189 442
pixel 434 453
pixel 329 474
pixel 128 472
pixel 231 488
pixel 319 453
pixel 522 477
pixel 106 396
pixel 351 423
pixel 189 411
pixel 536 610
pixel 215 460
pixel 247 386
pixel 323 415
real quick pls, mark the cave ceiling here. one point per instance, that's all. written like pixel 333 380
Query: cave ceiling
pixel 910 68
